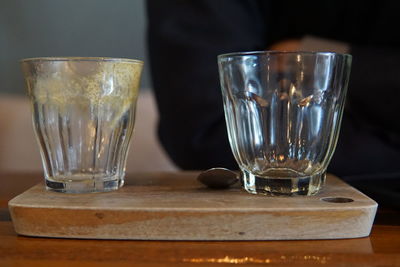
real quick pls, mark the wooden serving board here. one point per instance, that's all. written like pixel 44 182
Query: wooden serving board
pixel 175 206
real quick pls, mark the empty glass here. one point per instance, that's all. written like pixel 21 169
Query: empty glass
pixel 283 112
pixel 83 117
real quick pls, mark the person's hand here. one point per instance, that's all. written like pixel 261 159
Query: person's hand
pixel 286 45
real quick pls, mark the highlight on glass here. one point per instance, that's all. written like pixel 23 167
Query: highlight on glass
pixel 83 117
pixel 283 112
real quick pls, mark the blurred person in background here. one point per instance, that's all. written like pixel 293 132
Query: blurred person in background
pixel 185 37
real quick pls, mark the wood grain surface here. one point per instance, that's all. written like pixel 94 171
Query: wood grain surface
pixel 381 248
pixel 174 206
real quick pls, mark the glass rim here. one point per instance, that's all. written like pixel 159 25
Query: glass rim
pixel 274 52
pixel 94 59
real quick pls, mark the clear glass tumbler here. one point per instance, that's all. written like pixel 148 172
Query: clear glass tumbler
pixel 283 112
pixel 83 117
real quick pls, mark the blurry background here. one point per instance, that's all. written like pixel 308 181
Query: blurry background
pixel 70 28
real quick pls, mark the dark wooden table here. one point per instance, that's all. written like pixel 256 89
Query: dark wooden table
pixel 382 248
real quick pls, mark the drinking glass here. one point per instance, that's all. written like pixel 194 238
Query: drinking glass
pixel 83 117
pixel 283 112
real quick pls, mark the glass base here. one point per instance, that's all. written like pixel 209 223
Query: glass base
pixel 283 185
pixel 84 184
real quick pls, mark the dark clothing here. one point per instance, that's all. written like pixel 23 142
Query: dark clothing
pixel 185 38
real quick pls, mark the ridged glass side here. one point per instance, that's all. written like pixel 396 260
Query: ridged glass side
pixel 283 114
pixel 83 144
pixel 83 116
